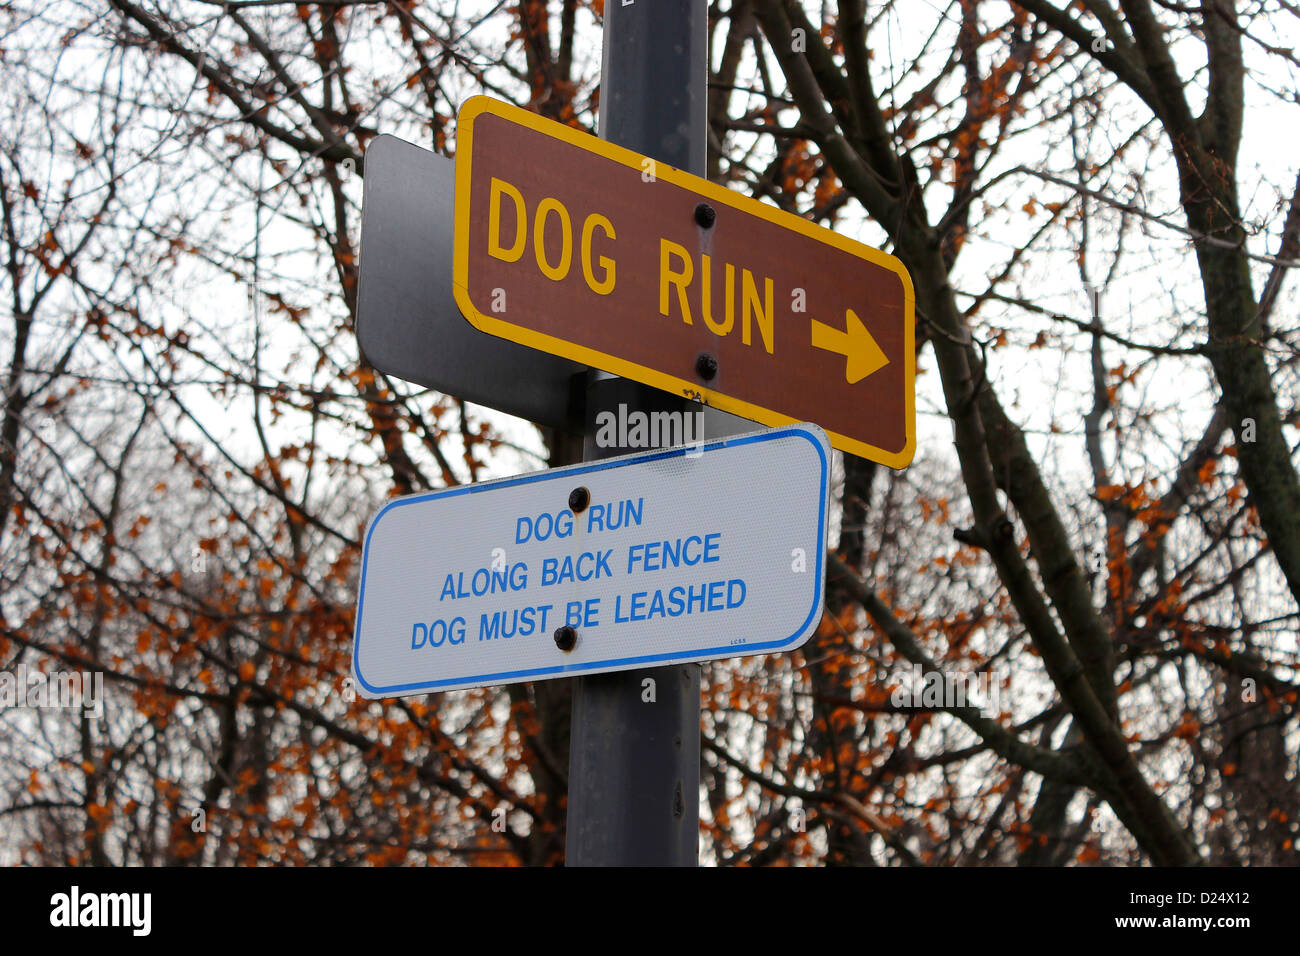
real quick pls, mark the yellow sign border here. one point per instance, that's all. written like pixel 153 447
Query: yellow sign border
pixel 493 325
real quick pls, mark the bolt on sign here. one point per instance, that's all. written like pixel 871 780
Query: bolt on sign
pixel 691 553
pixel 589 251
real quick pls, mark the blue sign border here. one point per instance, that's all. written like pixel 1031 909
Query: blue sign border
pixel 505 677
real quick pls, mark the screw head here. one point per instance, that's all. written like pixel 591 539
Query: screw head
pixel 579 498
pixel 565 638
pixel 706 366
pixel 705 215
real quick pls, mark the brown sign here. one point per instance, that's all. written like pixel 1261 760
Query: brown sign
pixel 583 249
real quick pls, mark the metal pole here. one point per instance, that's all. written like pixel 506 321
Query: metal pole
pixel 634 754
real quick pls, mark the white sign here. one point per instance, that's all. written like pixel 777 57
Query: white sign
pixel 684 554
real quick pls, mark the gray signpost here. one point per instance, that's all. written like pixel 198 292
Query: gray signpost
pixel 635 746
pixel 634 765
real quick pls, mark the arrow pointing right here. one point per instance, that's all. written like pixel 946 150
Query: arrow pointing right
pixel 855 343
